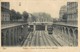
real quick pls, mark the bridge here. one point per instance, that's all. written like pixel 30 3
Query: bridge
pixel 19 35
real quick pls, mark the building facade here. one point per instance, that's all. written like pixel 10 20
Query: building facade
pixel 43 17
pixel 63 11
pixel 5 12
pixel 72 12
pixel 70 27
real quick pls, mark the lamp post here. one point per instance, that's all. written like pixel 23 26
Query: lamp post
pixel 19 3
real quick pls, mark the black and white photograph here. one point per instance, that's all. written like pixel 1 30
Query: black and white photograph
pixel 39 23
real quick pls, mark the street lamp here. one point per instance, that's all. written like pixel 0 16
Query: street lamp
pixel 19 3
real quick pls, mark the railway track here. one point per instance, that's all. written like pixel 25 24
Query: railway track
pixel 41 38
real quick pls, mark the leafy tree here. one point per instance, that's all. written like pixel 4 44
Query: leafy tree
pixel 25 15
pixel 19 16
pixel 64 17
pixel 13 15
pixel 33 17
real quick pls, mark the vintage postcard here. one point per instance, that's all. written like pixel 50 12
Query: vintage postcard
pixel 39 26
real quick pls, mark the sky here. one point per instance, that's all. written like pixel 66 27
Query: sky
pixel 48 6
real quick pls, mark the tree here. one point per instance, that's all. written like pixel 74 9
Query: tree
pixel 64 17
pixel 33 17
pixel 19 16
pixel 13 15
pixel 25 15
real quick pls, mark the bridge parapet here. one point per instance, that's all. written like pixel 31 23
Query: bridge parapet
pixel 14 34
pixel 68 30
pixel 66 24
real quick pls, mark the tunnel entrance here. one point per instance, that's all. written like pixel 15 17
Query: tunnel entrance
pixel 31 28
pixel 40 27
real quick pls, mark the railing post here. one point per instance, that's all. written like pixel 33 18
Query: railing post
pixel 69 36
pixel 34 27
pixel 45 27
pixel 74 38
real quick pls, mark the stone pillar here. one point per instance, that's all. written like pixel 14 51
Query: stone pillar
pixel 62 30
pixel 4 37
pixel 67 32
pixel 69 36
pixel 18 34
pixel 45 27
pixel 74 38
pixel 34 27
pixel 9 37
pixel 13 36
pixel 4 32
